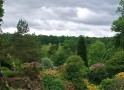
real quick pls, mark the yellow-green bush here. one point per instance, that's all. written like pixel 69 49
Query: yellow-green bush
pixel 121 75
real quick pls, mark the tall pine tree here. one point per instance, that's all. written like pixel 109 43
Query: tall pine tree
pixel 81 50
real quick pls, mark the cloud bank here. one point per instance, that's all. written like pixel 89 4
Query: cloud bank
pixel 62 17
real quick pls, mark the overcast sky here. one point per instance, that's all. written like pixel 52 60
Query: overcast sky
pixel 62 17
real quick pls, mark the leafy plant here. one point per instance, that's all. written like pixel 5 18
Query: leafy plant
pixel 47 63
pixel 50 83
pixel 116 64
pixel 74 67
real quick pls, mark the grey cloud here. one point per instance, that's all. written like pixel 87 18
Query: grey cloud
pixel 61 14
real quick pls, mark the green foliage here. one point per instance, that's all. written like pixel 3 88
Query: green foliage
pixel 50 83
pixel 9 73
pixel 74 67
pixel 81 50
pixel 120 8
pixel 97 73
pixel 112 84
pixel 25 48
pixel 47 63
pixel 44 50
pixel 106 84
pixel 116 64
pixel 59 59
pixel 70 44
pixel 118 26
pixel 53 49
pixel 96 52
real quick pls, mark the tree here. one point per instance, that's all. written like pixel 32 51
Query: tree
pixel 24 46
pixel 22 27
pixel 70 44
pixel 118 26
pixel 81 50
pixel 96 52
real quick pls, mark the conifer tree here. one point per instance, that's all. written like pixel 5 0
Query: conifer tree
pixel 81 50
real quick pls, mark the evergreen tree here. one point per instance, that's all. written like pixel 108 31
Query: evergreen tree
pixel 118 26
pixel 24 46
pixel 81 50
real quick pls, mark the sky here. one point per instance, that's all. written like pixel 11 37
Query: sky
pixel 91 18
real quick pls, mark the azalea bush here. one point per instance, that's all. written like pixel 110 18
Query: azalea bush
pixel 97 73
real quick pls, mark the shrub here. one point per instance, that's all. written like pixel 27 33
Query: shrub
pixel 74 67
pixel 30 69
pixel 97 73
pixel 50 72
pixel 116 64
pixel 50 83
pixel 120 75
pixel 59 59
pixel 47 63
pixel 106 84
pixel 112 84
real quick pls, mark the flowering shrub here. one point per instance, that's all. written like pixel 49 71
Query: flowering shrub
pixel 50 72
pixel 89 85
pixel 97 73
pixel 121 75
pixel 96 66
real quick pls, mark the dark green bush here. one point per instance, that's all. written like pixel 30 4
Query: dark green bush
pixel 59 59
pixel 50 83
pixel 116 64
pixel 74 67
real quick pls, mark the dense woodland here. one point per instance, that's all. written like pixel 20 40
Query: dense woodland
pixel 40 62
